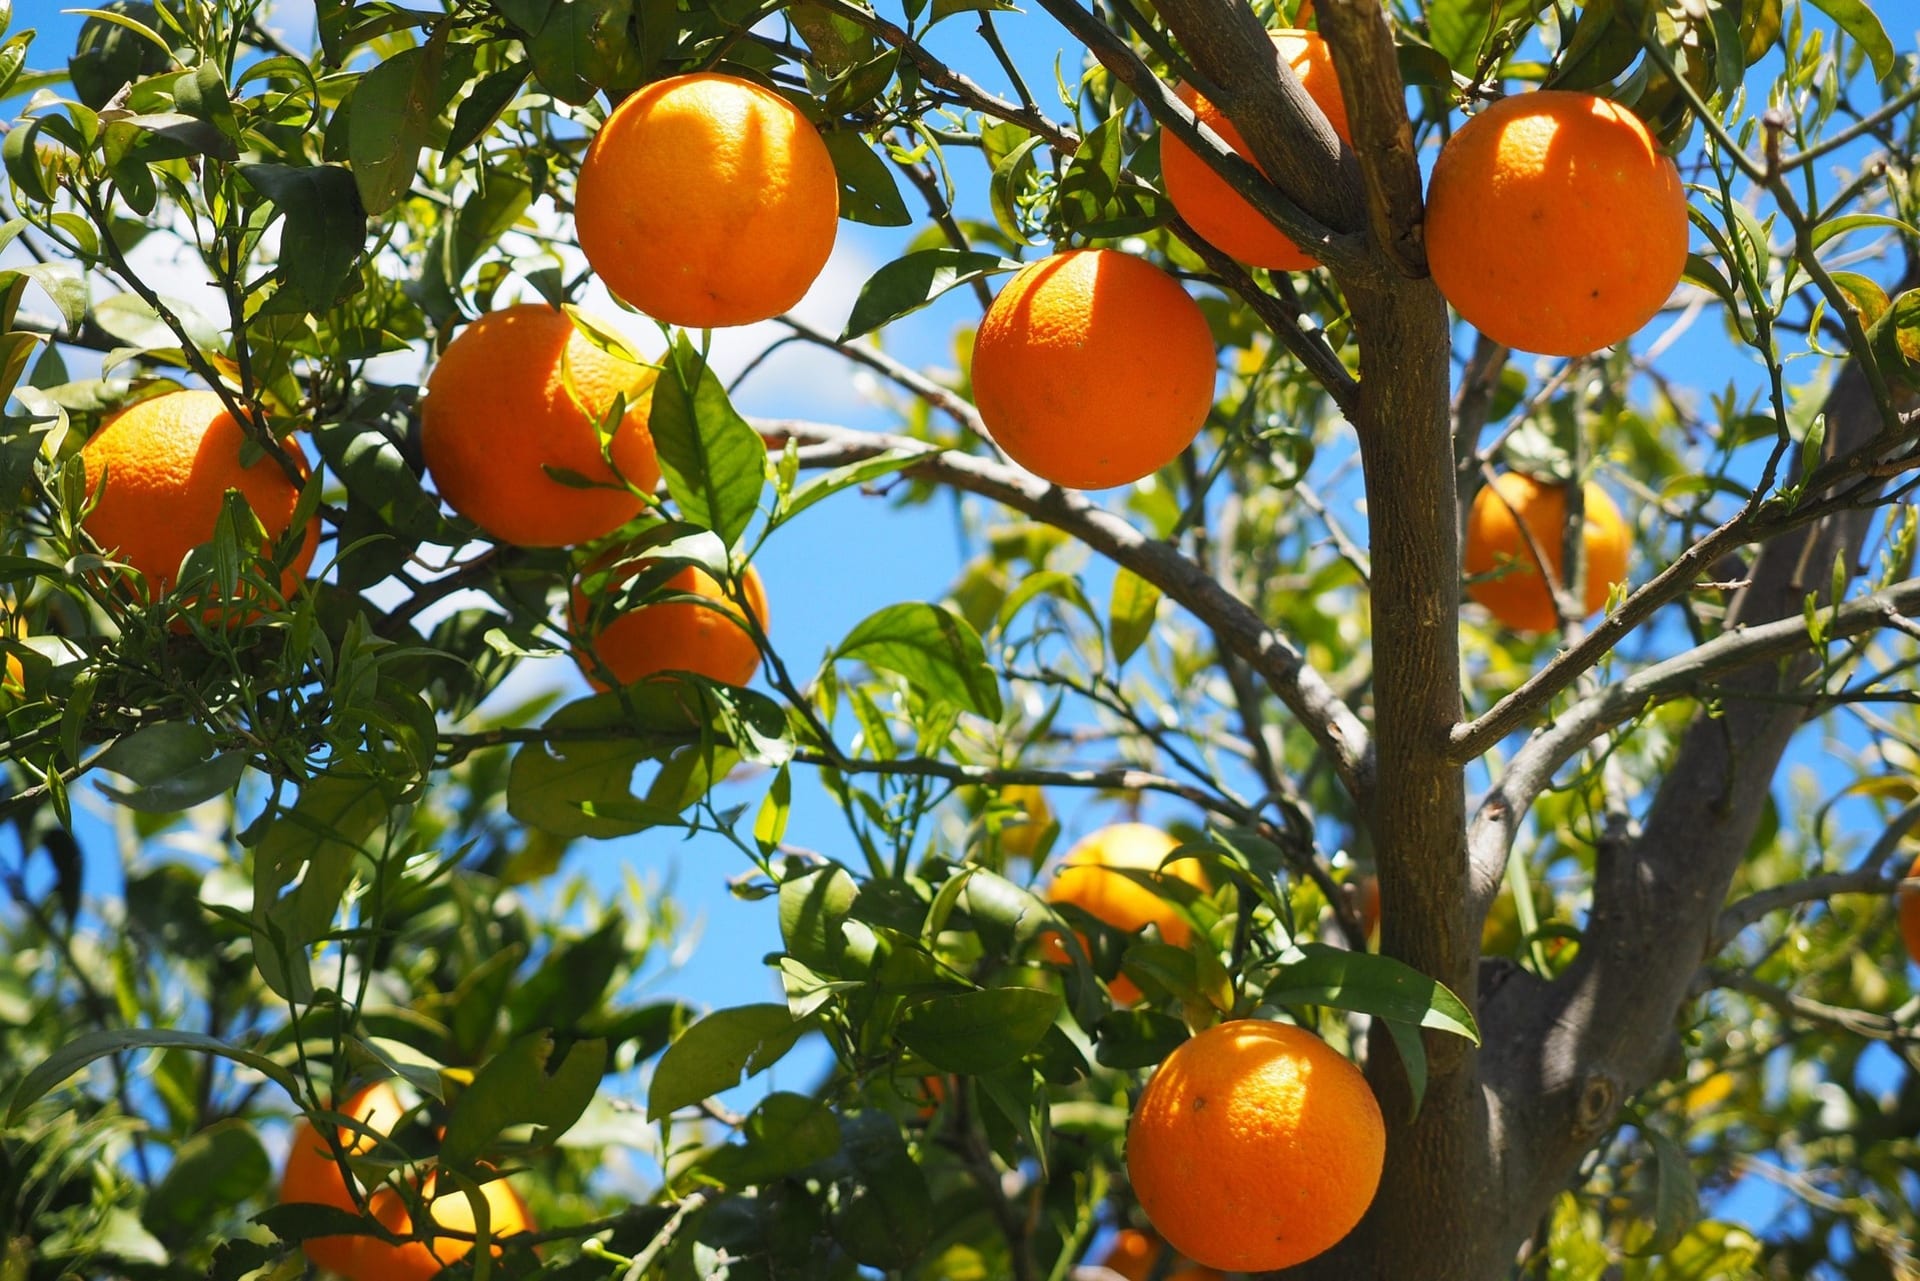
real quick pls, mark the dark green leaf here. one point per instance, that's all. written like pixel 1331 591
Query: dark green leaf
pixel 1131 613
pixel 812 908
pixel 784 1133
pixel 1369 984
pixel 868 193
pixel 213 1171
pixel 481 107
pixel 549 783
pixel 523 1086
pixel 393 110
pixel 89 1046
pixel 713 1053
pixel 979 1031
pixel 933 648
pixel 1131 1039
pixel 714 463
pixel 883 1213
pixel 907 284
pixel 325 230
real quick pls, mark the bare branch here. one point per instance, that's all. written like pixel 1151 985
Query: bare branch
pixel 1870 877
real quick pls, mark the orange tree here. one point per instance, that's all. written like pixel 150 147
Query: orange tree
pixel 1638 1005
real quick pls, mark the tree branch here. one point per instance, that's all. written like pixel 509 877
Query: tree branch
pixel 1361 40
pixel 1238 629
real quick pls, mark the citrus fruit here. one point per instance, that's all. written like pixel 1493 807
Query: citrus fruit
pixel 1518 596
pixel 705 637
pixel 167 465
pixel 1021 839
pixel 1555 224
pixel 1135 1254
pixel 1090 878
pixel 377 1260
pixel 521 390
pixel 313 1176
pixel 1910 914
pixel 1255 1146
pixel 707 200
pixel 1213 208
pixel 1093 368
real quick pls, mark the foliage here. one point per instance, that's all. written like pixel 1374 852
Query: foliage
pixel 344 828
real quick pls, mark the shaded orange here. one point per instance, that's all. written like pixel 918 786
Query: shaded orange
pixel 376 1260
pixel 674 635
pixel 521 390
pixel 168 463
pixel 707 200
pixel 1255 1146
pixel 313 1176
pixel 1910 915
pixel 1093 368
pixel 1087 878
pixel 1135 1254
pixel 1519 597
pixel 1555 224
pixel 1212 207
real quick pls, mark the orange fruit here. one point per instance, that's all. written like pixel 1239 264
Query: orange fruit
pixel 1555 224
pixel 1093 368
pixel 1910 914
pixel 376 1260
pixel 1212 207
pixel 1022 839
pixel 521 390
pixel 1519 597
pixel 167 464
pixel 313 1176
pixel 674 635
pixel 1255 1146
pixel 706 200
pixel 1088 879
pixel 1135 1254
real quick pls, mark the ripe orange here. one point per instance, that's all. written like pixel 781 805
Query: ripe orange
pixel 1255 1147
pixel 1135 1253
pixel 168 463
pixel 1555 224
pixel 674 636
pixel 313 1176
pixel 520 390
pixel 376 1260
pixel 706 200
pixel 1216 210
pixel 1087 880
pixel 1022 839
pixel 1093 368
pixel 1910 914
pixel 1519 597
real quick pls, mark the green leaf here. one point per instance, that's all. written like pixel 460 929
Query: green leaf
pixel 975 1032
pixel 712 1054
pixel 785 1133
pixel 325 228
pixel 550 784
pixel 812 908
pixel 882 1213
pixel 62 282
pixel 393 111
pixel 1369 984
pixel 522 1085
pixel 770 824
pixel 89 1046
pixel 1857 19
pixel 1131 613
pixel 481 107
pixel 909 283
pixel 868 193
pixel 571 980
pixel 157 752
pixel 184 788
pixel 1413 1061
pixel 830 483
pixel 314 841
pixel 1459 29
pixel 1676 1197
pixel 933 648
pixel 213 1171
pixel 715 464
pixel 1137 1038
